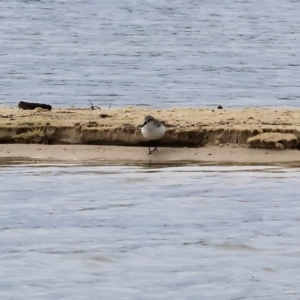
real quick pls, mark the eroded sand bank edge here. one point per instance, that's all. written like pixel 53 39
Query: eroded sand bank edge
pixel 186 127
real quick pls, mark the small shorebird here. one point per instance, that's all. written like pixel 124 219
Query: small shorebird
pixel 153 130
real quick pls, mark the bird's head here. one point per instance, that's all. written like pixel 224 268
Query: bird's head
pixel 147 120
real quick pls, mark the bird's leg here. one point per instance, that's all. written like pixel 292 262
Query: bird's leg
pixel 155 147
pixel 150 151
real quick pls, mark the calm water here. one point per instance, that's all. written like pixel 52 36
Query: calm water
pixel 150 53
pixel 138 233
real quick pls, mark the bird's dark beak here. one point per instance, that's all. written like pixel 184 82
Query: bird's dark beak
pixel 144 123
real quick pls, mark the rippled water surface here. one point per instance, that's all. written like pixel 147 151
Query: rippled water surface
pixel 146 233
pixel 150 53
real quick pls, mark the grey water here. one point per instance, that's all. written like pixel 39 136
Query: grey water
pixel 113 232
pixel 150 53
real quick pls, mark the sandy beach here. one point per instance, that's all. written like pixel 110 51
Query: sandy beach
pixel 82 135
pixel 98 155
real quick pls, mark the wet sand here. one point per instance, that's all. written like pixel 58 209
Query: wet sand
pixel 97 155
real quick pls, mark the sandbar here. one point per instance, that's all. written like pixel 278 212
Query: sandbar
pixel 112 135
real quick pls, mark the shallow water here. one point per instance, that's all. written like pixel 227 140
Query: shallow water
pixel 149 233
pixel 150 53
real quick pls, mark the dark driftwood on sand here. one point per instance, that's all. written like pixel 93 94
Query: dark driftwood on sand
pixel 31 106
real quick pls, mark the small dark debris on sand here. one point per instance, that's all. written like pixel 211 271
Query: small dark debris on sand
pixel 32 106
